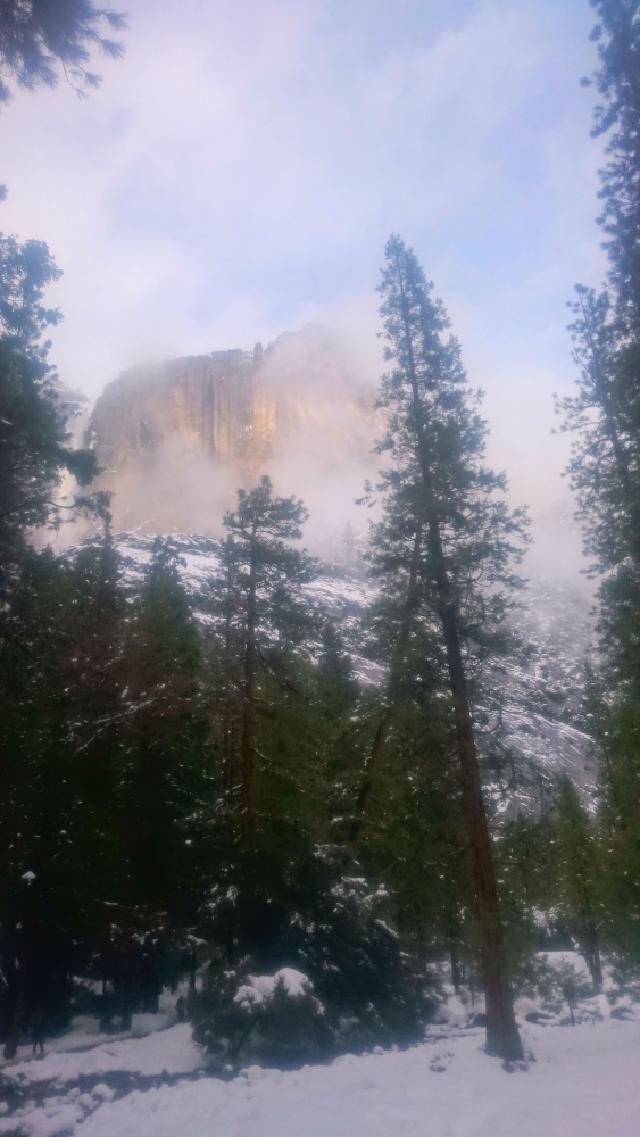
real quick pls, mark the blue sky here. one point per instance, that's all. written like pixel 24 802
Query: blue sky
pixel 238 173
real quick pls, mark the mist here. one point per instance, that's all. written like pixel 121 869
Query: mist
pixel 313 429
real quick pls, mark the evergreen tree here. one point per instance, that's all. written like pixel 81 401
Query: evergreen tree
pixel 398 621
pixel 604 419
pixel 263 574
pixel 616 117
pixel 166 734
pixel 59 748
pixel 33 439
pixel 436 486
pixel 578 872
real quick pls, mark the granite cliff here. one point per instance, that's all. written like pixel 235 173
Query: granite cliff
pixel 175 440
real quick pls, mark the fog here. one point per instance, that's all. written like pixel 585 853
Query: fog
pixel 312 429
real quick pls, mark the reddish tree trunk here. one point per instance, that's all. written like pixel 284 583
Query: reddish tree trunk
pixel 502 1033
pixel 248 707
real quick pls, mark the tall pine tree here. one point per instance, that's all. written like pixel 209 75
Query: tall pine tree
pixel 604 420
pixel 436 489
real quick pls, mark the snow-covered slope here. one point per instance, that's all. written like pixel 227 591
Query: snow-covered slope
pixel 582 1084
pixel 531 715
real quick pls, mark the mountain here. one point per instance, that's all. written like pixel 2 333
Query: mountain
pixel 175 440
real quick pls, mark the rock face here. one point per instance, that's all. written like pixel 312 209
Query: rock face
pixel 205 400
pixel 175 440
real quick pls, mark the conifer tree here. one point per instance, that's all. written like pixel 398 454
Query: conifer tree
pixel 264 571
pixel 33 438
pixel 577 874
pixel 166 735
pixel 604 420
pixel 616 118
pixel 399 614
pixel 435 484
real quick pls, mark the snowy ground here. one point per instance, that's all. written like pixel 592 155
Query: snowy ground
pixel 582 1084
pixel 171 1050
pixel 580 1081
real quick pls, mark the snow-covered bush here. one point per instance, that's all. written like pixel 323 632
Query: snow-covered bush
pixel 275 1017
pixel 275 915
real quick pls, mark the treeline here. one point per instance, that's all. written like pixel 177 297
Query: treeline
pixel 215 788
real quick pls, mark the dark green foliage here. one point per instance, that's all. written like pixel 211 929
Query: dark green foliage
pixel 604 418
pixel 33 439
pixel 106 755
pixel 237 1015
pixel 578 876
pixel 38 37
pixel 446 545
pixel 616 117
pixel 264 625
pixel 164 733
pixel 282 905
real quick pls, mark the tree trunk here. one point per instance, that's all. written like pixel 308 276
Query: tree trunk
pixel 19 1005
pixel 229 774
pixel 593 962
pixel 502 1033
pixel 591 954
pixel 368 778
pixel 248 705
pixel 384 725
pixel 455 966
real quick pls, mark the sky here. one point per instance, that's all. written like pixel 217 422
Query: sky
pixel 239 170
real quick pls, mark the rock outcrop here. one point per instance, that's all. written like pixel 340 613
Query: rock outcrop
pixel 176 439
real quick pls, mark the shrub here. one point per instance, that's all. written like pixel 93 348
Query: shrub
pixel 276 916
pixel 268 1016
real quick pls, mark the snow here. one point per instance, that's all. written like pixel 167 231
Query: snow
pixel 582 1084
pixel 170 1050
pixel 295 983
pixel 261 988
pixel 581 1081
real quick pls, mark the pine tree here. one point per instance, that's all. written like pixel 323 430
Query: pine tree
pixel 435 485
pixel 33 439
pixel 604 470
pixel 58 796
pixel 166 736
pixel 577 876
pixel 616 118
pixel 398 618
pixel 263 573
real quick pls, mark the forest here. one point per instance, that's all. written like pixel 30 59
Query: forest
pixel 284 818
